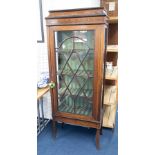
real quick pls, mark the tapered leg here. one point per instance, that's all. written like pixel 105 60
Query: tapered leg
pixel 54 129
pixel 98 138
pixel 101 131
pixel 62 125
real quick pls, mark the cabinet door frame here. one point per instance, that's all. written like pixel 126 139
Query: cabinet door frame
pixel 98 70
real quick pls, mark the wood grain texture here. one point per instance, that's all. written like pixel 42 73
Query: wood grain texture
pixel 112 74
pixel 42 91
pixel 113 34
pixel 102 3
pixel 112 48
pixel 76 21
pixel 109 116
pixel 109 95
pixel 113 13
pixel 112 57
pixel 98 72
pixel 52 64
pixel 85 12
pixel 113 20
pixel 84 123
pixel 98 63
pixel 77 17
pixel 72 20
pixel 97 138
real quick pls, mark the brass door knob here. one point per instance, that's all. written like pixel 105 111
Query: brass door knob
pixel 52 84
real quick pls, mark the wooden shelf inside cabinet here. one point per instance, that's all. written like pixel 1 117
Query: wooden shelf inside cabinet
pixel 109 95
pixel 113 19
pixel 109 116
pixel 112 48
pixel 111 74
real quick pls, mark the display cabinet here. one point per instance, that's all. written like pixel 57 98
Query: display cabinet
pixel 76 48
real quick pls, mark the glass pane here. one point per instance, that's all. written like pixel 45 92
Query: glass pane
pixel 75 66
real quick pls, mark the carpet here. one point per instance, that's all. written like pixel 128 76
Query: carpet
pixel 76 140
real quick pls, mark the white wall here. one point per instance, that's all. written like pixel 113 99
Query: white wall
pixel 70 4
pixel 42 63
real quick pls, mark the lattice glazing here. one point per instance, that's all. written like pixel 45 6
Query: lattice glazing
pixel 75 71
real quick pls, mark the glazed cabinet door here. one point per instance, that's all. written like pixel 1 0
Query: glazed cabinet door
pixel 76 69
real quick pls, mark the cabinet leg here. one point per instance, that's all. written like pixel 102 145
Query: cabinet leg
pixel 54 129
pixel 101 131
pixel 98 138
pixel 62 125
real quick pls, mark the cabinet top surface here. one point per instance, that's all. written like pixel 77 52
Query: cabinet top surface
pixel 83 12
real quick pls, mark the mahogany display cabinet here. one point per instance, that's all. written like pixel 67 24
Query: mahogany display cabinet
pixel 76 51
